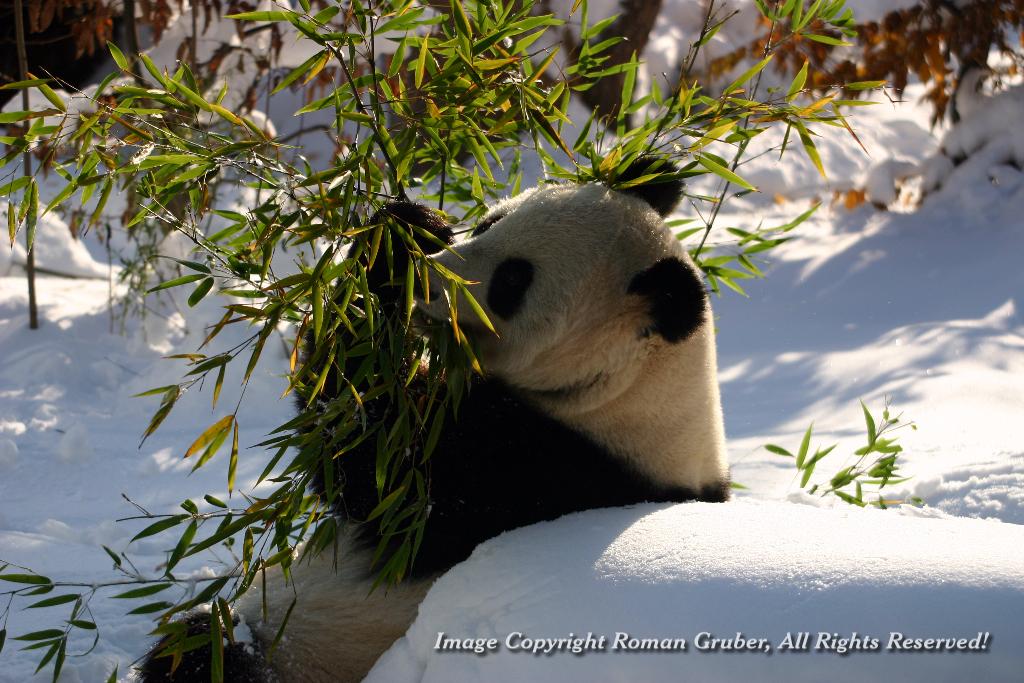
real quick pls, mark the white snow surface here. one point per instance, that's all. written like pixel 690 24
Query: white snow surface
pixel 756 568
pixel 919 303
pixel 54 252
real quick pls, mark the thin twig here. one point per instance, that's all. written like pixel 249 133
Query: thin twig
pixel 399 189
pixel 740 150
pixel 684 74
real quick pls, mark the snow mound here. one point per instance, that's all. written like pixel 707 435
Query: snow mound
pixel 760 569
pixel 993 489
pixel 57 252
pixel 988 142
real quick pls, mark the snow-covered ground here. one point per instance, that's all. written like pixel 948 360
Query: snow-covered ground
pixel 920 303
pixel 69 449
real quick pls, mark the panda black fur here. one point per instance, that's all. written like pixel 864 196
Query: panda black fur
pixel 600 391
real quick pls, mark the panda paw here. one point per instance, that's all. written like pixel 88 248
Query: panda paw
pixel 243 661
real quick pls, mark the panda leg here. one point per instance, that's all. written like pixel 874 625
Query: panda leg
pixel 338 627
pixel 336 631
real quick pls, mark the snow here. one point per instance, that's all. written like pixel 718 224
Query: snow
pixel 54 252
pixel 69 449
pixel 982 143
pixel 917 302
pixel 678 571
pixel 8 453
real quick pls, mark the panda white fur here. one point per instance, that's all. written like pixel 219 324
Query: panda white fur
pixel 600 390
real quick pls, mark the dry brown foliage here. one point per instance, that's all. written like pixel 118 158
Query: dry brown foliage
pixel 936 41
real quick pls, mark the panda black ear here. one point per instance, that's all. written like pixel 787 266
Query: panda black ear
pixel 422 217
pixel 675 296
pixel 409 215
pixel 662 195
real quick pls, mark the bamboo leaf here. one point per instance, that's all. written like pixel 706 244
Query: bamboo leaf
pixel 461 18
pixel 225 615
pixel 15 185
pixel 183 280
pixel 35 579
pixel 870 422
pixel 200 291
pixel 809 148
pixel 22 85
pixel 113 556
pixel 318 311
pixel 151 608
pixel 386 503
pixel 421 61
pixel 284 623
pixel 747 75
pixel 46 634
pixel 233 462
pixel 723 172
pixel 216 644
pixel 827 40
pixel 475 305
pixel 210 434
pixel 68 190
pixel 29 213
pixel 58 600
pixel 798 83
pixel 226 114
pixel 864 85
pixel 119 58
pixel 261 16
pixel 50 95
pixel 17 116
pixel 143 592
pixel 182 545
pixel 714 135
pixel 162 525
pixel 804 445
pixel 778 450
pixel 300 70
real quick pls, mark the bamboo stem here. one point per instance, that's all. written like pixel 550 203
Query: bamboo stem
pixel 30 257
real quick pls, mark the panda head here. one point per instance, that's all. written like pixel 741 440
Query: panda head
pixel 583 285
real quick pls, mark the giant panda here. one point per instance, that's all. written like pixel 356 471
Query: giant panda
pixel 599 390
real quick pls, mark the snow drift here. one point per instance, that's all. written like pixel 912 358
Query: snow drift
pixel 849 578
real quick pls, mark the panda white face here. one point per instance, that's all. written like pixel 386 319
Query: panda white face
pixel 569 277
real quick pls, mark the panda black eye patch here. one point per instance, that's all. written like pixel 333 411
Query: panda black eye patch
pixel 508 287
